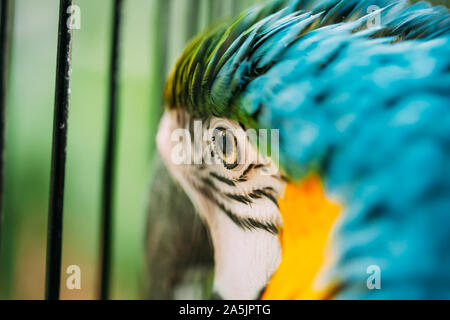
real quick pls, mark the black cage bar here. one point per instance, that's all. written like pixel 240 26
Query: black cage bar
pixel 110 155
pixel 5 25
pixel 58 168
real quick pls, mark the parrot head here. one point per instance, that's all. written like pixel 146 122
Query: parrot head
pixel 234 191
pixel 250 134
pixel 215 148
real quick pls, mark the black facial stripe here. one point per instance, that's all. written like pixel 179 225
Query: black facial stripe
pixel 259 193
pixel 222 179
pixel 243 223
pixel 209 183
pixel 243 177
pixel 250 168
pixel 255 194
pixel 247 223
pixel 239 198
pixel 246 171
pixel 270 197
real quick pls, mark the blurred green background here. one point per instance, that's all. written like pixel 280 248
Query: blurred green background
pixel 150 44
pixel 154 34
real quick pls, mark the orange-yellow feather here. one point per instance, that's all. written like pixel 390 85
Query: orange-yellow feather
pixel 308 217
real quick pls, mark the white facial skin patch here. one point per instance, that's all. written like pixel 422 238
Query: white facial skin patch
pixel 234 192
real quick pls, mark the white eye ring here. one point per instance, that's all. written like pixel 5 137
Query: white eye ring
pixel 225 146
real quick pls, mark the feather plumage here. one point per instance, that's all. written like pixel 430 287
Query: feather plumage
pixel 366 108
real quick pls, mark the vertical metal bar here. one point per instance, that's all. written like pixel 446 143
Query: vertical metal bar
pixel 58 169
pixel 6 247
pixel 5 26
pixel 110 155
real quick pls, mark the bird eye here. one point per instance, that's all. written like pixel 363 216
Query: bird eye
pixel 225 145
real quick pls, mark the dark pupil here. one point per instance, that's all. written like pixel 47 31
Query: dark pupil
pixel 225 145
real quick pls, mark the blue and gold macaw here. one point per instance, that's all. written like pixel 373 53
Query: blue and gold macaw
pixel 352 198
